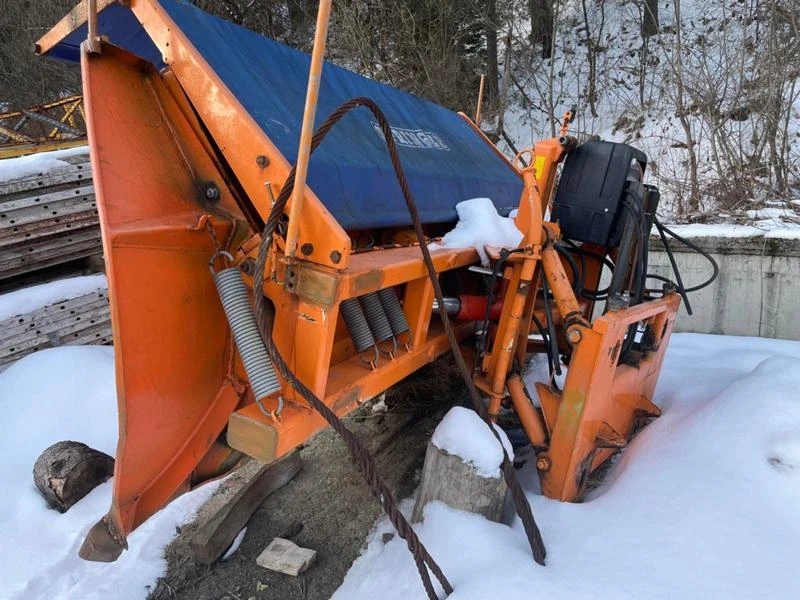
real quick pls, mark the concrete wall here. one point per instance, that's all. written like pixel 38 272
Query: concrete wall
pixel 755 294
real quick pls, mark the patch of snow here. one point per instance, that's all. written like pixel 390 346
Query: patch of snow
pixel 36 164
pixel 770 213
pixel 480 225
pixel 464 434
pixel 68 393
pixel 786 233
pixel 723 230
pixel 237 541
pixel 33 298
pixel 704 503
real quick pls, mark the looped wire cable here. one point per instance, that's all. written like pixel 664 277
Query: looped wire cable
pixel 364 461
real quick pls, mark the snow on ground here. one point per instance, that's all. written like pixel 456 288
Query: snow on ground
pixel 34 164
pixel 33 298
pixel 705 503
pixel 463 433
pixel 59 394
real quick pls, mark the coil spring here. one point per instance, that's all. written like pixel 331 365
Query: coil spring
pixel 376 317
pixel 378 322
pixel 236 303
pixel 394 311
pixel 357 324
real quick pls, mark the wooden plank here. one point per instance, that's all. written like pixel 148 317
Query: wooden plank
pixel 44 196
pixel 52 254
pixel 72 328
pixel 47 322
pixel 33 232
pixel 76 253
pixel 55 308
pixel 213 537
pixel 44 247
pixel 100 333
pixel 53 210
pixel 59 175
pixel 89 335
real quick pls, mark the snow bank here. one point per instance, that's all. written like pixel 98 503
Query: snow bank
pixel 39 163
pixel 68 393
pixel 464 434
pixel 479 225
pixel 33 298
pixel 705 503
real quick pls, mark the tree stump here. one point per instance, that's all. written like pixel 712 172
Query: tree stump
pixel 67 471
pixel 449 479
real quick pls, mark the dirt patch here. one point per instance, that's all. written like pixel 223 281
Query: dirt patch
pixel 327 507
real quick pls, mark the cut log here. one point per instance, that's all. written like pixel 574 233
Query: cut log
pixel 449 479
pixel 213 537
pixel 67 471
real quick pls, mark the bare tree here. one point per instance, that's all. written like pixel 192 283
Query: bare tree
pixel 26 79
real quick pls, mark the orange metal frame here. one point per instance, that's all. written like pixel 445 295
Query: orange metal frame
pixel 186 412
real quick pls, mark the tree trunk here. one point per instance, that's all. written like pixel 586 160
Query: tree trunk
pixel 450 480
pixel 650 18
pixel 541 14
pixel 67 471
pixel 492 85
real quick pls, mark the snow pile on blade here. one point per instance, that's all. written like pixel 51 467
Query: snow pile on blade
pixel 479 225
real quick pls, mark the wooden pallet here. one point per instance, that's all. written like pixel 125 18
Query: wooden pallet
pixel 82 320
pixel 48 218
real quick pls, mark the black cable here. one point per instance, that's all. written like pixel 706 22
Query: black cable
pixel 496 268
pixel 593 295
pixel 577 278
pixel 551 328
pixel 551 360
pixel 697 249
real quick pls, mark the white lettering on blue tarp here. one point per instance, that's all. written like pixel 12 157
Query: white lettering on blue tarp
pixel 414 138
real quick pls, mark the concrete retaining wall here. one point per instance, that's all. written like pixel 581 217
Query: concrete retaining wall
pixel 756 293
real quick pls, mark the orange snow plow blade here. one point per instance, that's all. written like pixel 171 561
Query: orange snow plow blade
pixel 173 350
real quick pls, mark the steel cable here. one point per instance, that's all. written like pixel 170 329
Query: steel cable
pixel 362 458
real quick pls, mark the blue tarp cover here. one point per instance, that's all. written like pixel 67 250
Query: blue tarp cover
pixel 445 160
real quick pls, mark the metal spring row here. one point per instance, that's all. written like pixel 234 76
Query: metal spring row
pixel 374 318
pixel 236 302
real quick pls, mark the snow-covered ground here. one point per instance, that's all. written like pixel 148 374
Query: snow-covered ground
pixel 59 394
pixel 34 164
pixel 704 504
pixel 33 298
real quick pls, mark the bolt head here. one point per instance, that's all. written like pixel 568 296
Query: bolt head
pixel 543 463
pixel 212 191
pixel 574 336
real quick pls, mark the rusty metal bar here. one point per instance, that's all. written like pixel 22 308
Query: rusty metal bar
pixel 304 151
